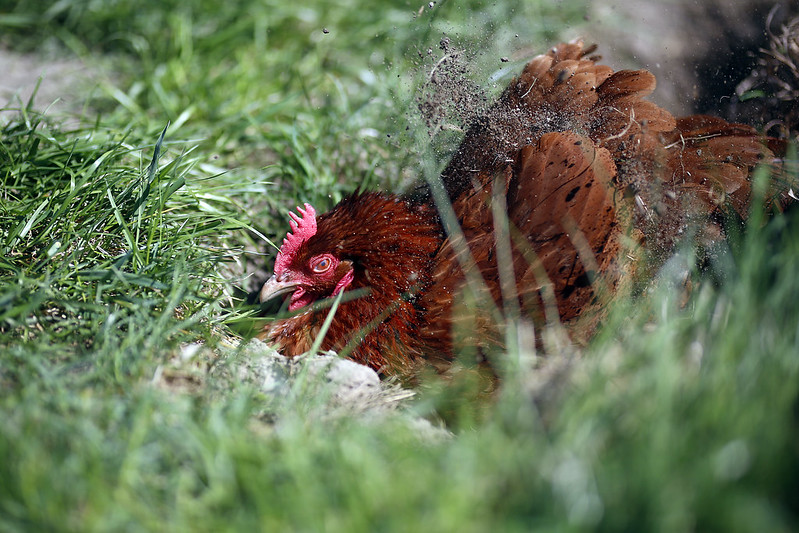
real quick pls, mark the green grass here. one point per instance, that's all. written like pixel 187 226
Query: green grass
pixel 119 247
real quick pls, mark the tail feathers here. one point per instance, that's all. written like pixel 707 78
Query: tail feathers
pixel 715 159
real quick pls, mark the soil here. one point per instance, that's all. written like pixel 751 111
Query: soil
pixel 64 84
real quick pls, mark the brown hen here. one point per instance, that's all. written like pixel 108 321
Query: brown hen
pixel 567 170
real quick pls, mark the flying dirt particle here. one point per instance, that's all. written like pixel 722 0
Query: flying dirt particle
pixel 449 99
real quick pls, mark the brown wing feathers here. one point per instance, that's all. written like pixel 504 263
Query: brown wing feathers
pixel 590 159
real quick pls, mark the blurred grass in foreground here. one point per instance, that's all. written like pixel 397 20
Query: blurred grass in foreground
pixel 119 245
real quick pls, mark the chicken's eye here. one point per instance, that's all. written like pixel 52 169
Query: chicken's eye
pixel 322 265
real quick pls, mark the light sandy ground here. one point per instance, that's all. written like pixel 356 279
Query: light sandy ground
pixel 64 87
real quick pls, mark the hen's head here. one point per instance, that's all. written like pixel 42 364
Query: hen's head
pixel 370 241
pixel 306 273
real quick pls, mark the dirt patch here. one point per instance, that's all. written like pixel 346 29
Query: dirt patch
pixel 64 85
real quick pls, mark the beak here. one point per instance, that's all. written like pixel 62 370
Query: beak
pixel 273 288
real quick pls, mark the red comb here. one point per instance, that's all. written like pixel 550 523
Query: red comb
pixel 303 229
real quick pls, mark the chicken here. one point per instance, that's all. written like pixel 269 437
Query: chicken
pixel 570 172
